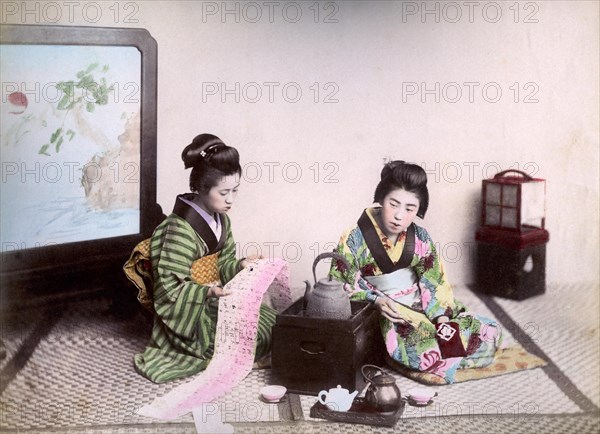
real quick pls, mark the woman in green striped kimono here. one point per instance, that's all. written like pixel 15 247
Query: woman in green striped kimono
pixel 183 334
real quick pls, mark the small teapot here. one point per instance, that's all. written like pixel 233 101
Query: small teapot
pixel 338 399
pixel 327 299
pixel 382 392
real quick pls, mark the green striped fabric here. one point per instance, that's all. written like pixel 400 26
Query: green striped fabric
pixel 182 341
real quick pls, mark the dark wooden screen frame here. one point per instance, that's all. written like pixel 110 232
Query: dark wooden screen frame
pixel 41 264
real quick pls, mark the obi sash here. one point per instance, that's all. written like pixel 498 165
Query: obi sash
pixel 403 278
pixel 392 284
pixel 190 215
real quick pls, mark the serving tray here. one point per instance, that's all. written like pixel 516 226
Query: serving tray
pixel 360 412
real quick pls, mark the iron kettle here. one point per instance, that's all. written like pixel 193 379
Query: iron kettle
pixel 382 392
pixel 327 299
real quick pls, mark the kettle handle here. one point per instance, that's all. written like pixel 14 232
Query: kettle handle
pixel 321 394
pixel 367 377
pixel 334 255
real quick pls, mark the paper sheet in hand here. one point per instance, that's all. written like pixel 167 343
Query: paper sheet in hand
pixel 235 339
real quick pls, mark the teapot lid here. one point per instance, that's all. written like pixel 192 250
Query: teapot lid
pixel 328 281
pixel 380 378
pixel 339 390
pixel 383 379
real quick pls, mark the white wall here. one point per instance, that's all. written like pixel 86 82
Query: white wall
pixel 367 56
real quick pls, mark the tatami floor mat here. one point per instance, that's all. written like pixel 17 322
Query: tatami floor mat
pixel 79 377
pixel 553 424
pixel 564 323
pixel 13 334
pixel 81 373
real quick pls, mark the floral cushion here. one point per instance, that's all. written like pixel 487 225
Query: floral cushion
pixel 507 360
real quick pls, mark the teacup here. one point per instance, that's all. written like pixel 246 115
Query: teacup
pixel 273 393
pixel 421 395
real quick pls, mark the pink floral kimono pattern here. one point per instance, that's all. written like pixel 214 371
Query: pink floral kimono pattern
pixel 414 344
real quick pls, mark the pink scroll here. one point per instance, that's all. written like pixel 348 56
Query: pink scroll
pixel 235 339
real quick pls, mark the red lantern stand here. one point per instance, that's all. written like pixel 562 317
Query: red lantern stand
pixel 511 243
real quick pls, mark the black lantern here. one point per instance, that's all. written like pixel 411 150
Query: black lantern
pixel 511 249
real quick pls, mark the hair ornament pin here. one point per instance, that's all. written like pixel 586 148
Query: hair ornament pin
pixel 395 163
pixel 212 149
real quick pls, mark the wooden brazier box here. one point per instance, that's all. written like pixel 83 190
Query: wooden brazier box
pixel 314 354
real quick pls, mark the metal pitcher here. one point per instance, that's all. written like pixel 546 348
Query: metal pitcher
pixel 382 392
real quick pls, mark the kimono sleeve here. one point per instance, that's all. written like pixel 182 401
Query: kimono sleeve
pixel 352 247
pixel 436 292
pixel 229 266
pixel 178 299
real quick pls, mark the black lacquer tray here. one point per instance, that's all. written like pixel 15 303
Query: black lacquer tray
pixel 360 412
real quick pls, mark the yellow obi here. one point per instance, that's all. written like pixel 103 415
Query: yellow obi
pixel 138 270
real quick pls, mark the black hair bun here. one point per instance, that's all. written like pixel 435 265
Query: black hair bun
pixel 389 167
pixel 193 154
pixel 405 172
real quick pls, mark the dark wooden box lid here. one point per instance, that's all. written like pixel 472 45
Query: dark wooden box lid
pixel 294 316
pixel 512 239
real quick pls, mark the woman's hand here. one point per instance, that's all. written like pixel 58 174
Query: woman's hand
pixel 250 260
pixel 388 310
pixel 217 291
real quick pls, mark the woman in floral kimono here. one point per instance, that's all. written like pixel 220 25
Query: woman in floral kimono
pixel 185 319
pixel 395 265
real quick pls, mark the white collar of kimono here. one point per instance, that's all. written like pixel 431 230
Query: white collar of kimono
pixel 215 224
